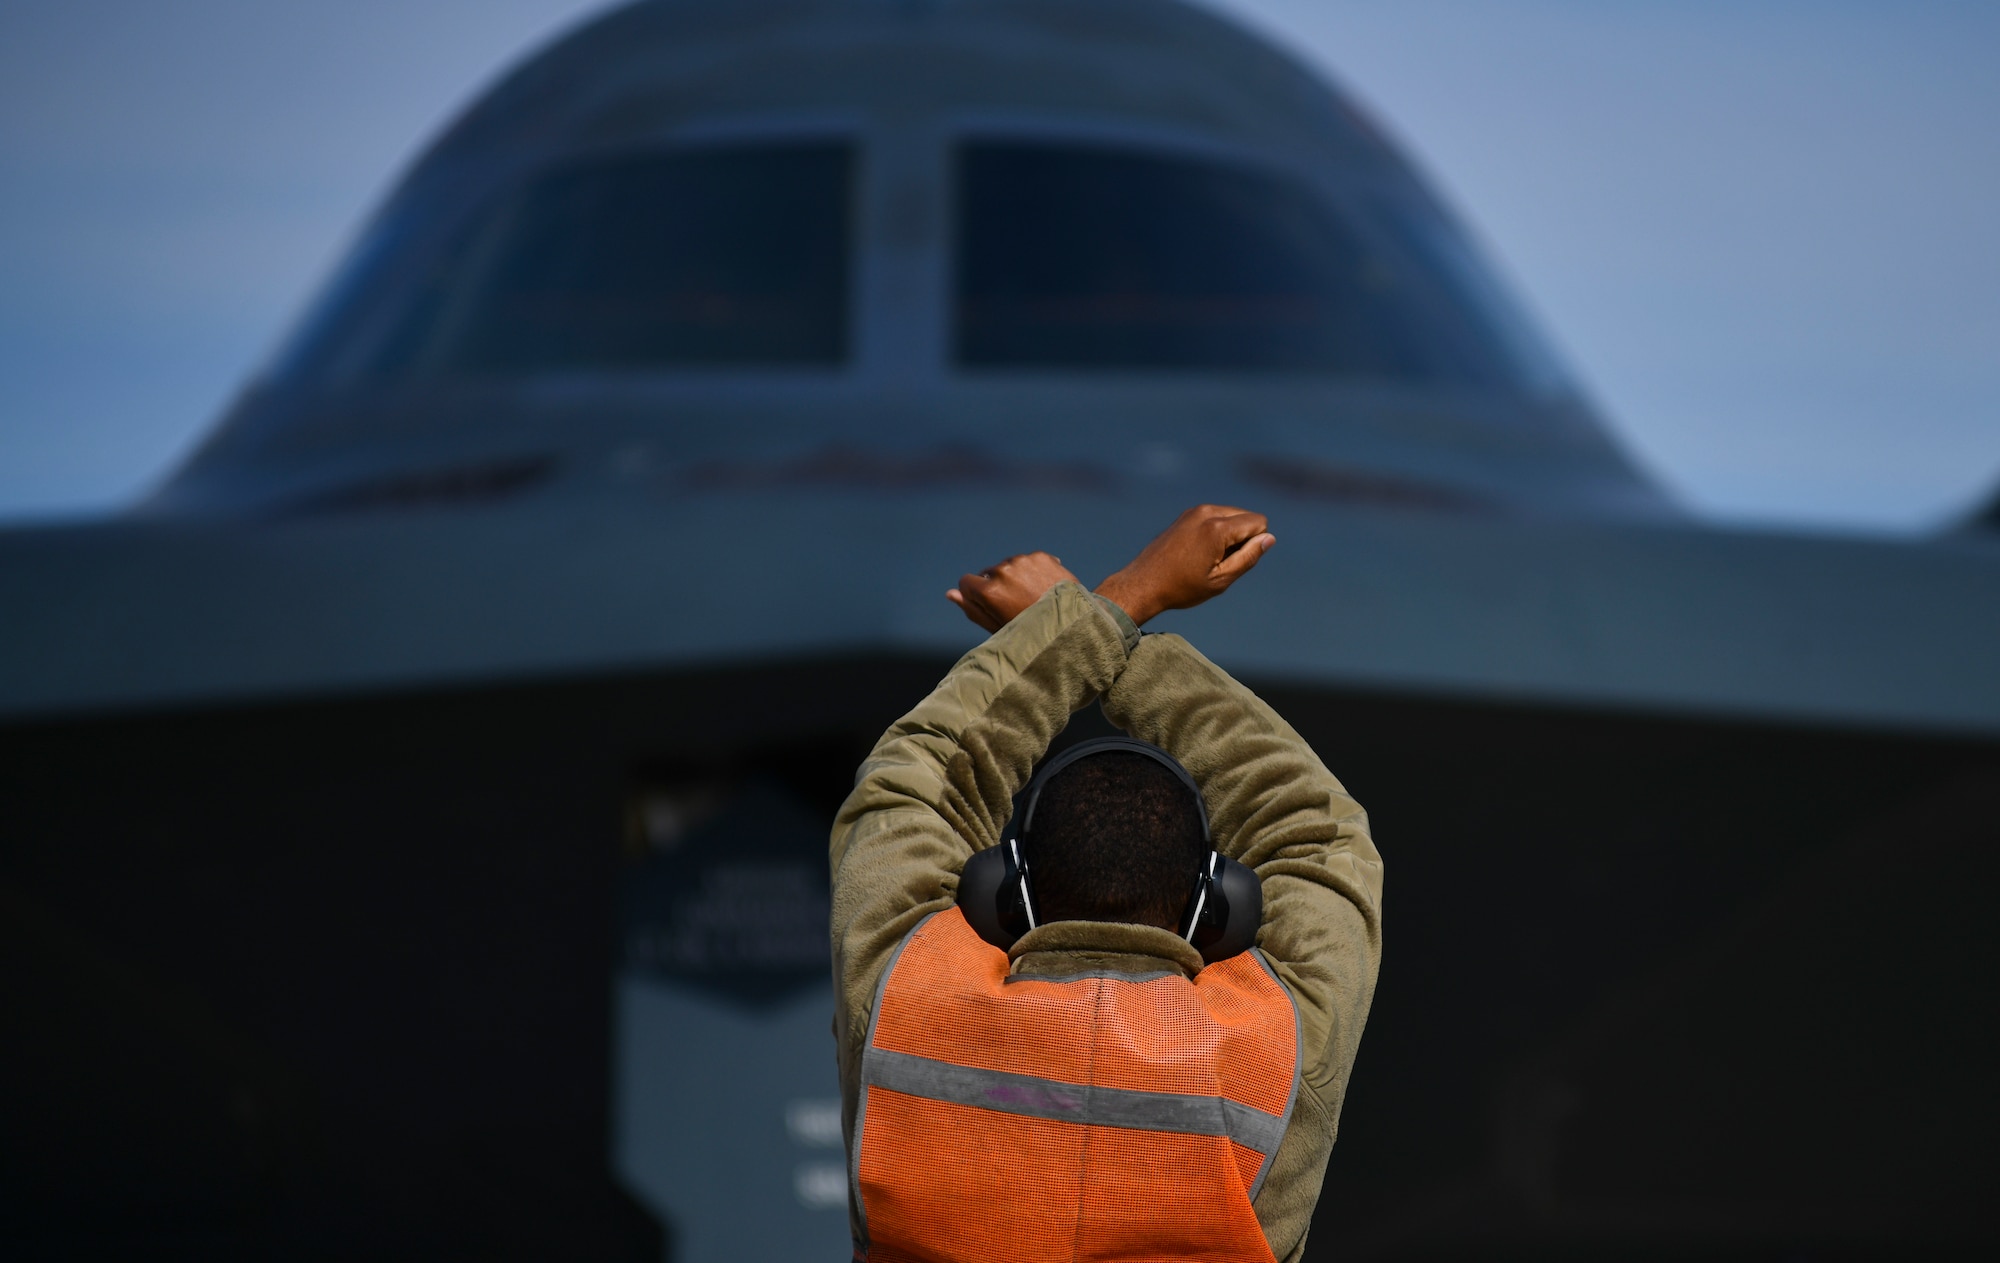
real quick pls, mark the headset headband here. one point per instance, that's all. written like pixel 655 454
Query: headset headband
pixel 1108 745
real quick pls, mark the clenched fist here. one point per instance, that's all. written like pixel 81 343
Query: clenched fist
pixel 995 595
pixel 1207 548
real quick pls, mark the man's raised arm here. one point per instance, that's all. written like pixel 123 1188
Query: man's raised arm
pixel 1271 803
pixel 940 782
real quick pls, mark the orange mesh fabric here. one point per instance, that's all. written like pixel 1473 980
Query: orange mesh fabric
pixel 947 1181
pixel 1229 1033
pixel 1248 1163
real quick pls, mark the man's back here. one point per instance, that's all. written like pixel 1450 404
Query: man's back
pixel 1087 1088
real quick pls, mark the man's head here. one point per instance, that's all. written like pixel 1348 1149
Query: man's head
pixel 1116 837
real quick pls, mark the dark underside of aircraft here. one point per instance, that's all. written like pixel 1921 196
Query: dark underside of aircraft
pixel 413 816
pixel 336 979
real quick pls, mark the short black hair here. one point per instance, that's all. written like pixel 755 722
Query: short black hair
pixel 1115 837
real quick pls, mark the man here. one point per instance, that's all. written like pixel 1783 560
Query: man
pixel 1098 1090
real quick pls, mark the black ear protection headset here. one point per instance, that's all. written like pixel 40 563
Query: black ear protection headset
pixel 996 892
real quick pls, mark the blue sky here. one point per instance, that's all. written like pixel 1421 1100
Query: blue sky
pixel 1760 231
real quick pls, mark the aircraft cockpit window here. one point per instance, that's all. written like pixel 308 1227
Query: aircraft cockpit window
pixel 701 258
pixel 1087 257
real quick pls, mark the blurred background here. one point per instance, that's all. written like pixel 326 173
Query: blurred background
pixel 478 477
pixel 1759 231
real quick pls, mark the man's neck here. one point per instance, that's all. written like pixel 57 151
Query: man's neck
pixel 1068 949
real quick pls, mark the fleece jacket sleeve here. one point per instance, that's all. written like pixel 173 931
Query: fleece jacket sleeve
pixel 940 783
pixel 1274 806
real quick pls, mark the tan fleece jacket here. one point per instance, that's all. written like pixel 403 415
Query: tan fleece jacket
pixel 940 783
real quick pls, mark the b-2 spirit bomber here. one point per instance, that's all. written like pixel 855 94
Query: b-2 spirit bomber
pixel 413 813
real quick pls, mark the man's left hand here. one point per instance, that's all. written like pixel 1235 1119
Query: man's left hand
pixel 995 595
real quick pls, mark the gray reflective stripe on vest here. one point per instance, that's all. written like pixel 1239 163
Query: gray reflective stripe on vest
pixel 1036 1097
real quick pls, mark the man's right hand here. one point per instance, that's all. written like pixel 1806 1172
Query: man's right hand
pixel 1207 548
pixel 995 595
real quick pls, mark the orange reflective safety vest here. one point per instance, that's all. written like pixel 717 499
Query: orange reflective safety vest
pixel 1106 1116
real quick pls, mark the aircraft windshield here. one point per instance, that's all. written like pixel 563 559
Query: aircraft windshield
pixel 717 257
pixel 1089 257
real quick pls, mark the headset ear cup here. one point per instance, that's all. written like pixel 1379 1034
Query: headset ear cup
pixel 1233 912
pixel 980 890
